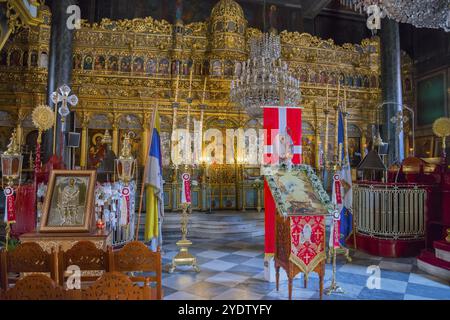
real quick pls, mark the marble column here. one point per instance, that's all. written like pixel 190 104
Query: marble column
pixel 59 73
pixel 391 83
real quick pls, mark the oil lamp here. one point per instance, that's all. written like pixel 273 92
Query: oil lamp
pixel 11 161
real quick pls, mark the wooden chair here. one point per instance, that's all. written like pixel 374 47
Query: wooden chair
pixel 85 255
pixel 136 257
pixel 34 287
pixel 25 258
pixel 113 286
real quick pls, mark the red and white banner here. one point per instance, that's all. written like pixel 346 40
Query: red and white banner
pixel 337 189
pixel 186 188
pixel 10 214
pixel 125 213
pixel 278 120
pixel 336 222
pixel 282 120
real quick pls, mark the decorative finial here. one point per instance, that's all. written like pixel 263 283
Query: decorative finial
pixel 13 148
pixel 125 153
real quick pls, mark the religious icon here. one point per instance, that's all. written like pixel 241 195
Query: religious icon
pixel 217 68
pixel 88 62
pixel 187 67
pixel 97 151
pixel 3 58
pixel 34 59
pixel 100 63
pixel 175 67
pixel 323 77
pixel 113 64
pixel 366 82
pixel 373 81
pixel 138 65
pixel 25 59
pixel 229 68
pixel 151 67
pixel 308 150
pixel 125 64
pixel 77 61
pixel 43 62
pixel 68 201
pixel 15 59
pixel 164 66
pixel 238 69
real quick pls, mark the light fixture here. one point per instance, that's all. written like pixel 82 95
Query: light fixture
pixel 419 13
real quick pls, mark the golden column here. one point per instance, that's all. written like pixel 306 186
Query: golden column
pixel 21 115
pixel 84 139
pixel 317 145
pixel 345 115
pixel 336 128
pixel 115 134
pixel 145 135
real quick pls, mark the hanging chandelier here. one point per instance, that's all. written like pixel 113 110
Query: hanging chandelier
pixel 420 13
pixel 265 79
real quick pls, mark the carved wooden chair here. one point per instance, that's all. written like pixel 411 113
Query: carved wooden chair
pixel 136 257
pixel 113 286
pixel 93 262
pixel 26 258
pixel 34 287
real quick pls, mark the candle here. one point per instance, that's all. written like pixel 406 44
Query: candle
pixel 204 90
pixel 190 82
pixel 176 88
pixel 345 100
pixel 338 93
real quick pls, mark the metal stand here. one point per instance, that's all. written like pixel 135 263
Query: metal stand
pixel 184 258
pixel 334 287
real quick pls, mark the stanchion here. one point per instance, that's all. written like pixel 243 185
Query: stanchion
pixel 184 257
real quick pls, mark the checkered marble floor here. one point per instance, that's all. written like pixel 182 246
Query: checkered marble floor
pixel 232 269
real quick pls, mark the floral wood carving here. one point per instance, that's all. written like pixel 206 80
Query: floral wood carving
pixel 135 256
pixel 35 287
pixel 115 286
pixel 28 257
pixel 86 255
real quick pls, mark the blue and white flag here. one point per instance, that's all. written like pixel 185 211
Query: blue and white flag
pixel 346 225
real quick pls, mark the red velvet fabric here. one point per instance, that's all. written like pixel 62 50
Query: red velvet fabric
pixel 269 218
pixel 25 210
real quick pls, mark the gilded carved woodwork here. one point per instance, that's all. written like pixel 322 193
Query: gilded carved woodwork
pixel 127 67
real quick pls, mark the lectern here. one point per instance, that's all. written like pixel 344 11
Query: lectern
pixel 301 206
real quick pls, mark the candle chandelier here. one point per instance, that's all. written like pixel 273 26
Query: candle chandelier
pixel 265 79
pixel 419 13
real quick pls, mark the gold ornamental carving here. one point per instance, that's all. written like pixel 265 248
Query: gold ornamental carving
pixel 43 119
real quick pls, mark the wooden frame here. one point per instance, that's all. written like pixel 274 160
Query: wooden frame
pixel 88 206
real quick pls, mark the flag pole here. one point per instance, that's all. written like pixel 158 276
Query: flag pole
pixel 144 175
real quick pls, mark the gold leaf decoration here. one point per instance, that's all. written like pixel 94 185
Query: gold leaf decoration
pixel 441 127
pixel 43 117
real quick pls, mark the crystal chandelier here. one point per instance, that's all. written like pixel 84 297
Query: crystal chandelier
pixel 265 79
pixel 420 13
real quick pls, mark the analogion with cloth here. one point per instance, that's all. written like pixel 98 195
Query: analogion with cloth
pixel 302 206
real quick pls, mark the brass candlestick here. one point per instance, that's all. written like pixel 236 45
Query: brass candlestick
pixel 184 258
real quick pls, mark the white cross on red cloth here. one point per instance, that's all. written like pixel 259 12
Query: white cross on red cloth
pixel 280 121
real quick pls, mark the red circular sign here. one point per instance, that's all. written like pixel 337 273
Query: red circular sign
pixel 125 191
